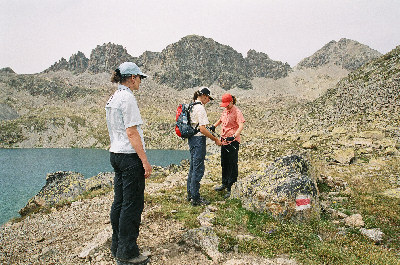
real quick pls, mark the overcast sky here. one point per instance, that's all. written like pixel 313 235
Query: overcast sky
pixel 36 34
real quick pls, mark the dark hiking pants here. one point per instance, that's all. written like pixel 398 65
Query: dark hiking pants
pixel 229 164
pixel 127 208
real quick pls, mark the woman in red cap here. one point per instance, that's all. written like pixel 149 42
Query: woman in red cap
pixel 232 121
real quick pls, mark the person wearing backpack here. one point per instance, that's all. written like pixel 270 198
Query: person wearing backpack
pixel 232 121
pixel 197 146
pixel 130 163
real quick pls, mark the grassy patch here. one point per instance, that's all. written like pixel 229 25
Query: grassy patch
pixel 314 242
pixel 172 204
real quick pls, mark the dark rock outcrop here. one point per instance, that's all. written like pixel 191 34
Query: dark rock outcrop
pixel 286 190
pixel 104 58
pixel 78 63
pixel 60 186
pixel 62 64
pixel 196 60
pixel 260 65
pixel 199 61
pixel 107 57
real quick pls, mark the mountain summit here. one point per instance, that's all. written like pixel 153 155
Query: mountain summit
pixel 347 53
pixel 196 60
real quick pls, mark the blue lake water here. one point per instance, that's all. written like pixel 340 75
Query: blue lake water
pixel 23 171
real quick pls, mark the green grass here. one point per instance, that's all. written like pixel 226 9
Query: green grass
pixel 322 241
pixel 173 205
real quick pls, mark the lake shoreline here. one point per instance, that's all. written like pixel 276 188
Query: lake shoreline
pixel 29 167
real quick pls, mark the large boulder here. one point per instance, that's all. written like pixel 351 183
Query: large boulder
pixel 63 186
pixel 286 190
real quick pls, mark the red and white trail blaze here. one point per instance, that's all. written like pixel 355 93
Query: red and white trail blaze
pixel 302 202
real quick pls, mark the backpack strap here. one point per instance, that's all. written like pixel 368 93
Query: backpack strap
pixel 191 104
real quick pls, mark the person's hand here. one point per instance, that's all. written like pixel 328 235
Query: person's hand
pixel 147 169
pixel 212 128
pixel 218 142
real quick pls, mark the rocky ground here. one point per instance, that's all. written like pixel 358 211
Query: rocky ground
pixel 79 233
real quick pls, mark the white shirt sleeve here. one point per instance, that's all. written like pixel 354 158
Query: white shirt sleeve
pixel 130 112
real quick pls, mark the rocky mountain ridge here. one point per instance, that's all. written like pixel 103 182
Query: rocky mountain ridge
pixel 103 58
pixel 196 60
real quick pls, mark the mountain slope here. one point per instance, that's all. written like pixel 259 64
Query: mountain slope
pixel 367 98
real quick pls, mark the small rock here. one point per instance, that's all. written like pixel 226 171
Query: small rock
pixel 354 220
pixel 309 145
pixel 375 234
pixel 344 156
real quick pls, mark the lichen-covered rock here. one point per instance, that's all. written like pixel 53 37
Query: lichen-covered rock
pixel 286 190
pixel 374 234
pixel 60 186
pixel 66 186
pixel 101 181
pixel 206 239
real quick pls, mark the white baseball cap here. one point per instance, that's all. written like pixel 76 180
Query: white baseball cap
pixel 129 68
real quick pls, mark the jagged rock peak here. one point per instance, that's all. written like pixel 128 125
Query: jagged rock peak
pixel 62 64
pixel 347 53
pixel 148 60
pixel 260 65
pixel 103 58
pixel 77 63
pixel 107 57
pixel 197 60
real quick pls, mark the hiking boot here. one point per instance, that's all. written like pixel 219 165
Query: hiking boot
pixel 227 195
pixel 139 260
pixel 220 188
pixel 200 201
